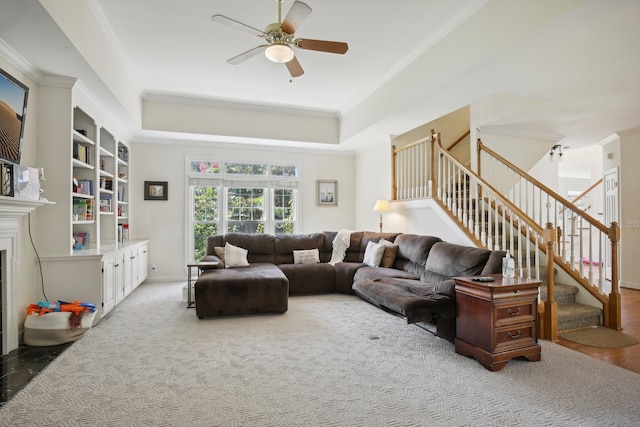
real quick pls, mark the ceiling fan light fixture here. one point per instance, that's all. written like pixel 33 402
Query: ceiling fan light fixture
pixel 280 53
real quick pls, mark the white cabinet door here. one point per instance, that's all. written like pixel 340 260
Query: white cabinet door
pixel 133 258
pixel 126 263
pixel 119 275
pixel 143 263
pixel 108 284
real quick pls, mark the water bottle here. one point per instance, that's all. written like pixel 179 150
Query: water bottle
pixel 508 266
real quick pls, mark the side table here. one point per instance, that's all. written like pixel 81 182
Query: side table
pixel 191 280
pixel 497 321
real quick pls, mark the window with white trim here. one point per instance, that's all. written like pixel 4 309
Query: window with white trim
pixel 240 197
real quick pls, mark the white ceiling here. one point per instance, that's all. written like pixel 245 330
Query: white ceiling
pixel 572 65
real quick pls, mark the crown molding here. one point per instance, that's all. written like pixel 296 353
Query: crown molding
pixel 19 62
pixel 499 130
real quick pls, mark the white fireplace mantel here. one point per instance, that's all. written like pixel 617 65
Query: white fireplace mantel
pixel 12 209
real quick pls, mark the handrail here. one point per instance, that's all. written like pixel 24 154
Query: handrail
pixel 499 196
pixel 458 140
pixel 584 193
pixel 569 205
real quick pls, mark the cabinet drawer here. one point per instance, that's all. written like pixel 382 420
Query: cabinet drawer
pixel 515 311
pixel 516 334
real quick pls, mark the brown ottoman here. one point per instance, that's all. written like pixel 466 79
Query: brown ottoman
pixel 257 288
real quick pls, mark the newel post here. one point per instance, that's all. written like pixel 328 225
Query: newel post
pixel 550 320
pixel 615 315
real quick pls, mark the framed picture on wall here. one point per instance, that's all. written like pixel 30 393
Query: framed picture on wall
pixel 156 190
pixel 327 193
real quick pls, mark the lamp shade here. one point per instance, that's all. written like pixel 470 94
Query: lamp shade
pixel 279 53
pixel 381 206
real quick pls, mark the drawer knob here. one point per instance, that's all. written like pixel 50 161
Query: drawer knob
pixel 514 313
pixel 517 291
pixel 512 336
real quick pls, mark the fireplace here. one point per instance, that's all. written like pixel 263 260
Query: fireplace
pixel 12 212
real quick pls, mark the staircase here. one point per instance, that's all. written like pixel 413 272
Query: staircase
pixel 506 209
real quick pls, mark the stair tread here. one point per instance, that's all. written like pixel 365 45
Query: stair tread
pixel 575 310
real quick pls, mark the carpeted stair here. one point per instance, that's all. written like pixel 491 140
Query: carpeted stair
pixel 572 315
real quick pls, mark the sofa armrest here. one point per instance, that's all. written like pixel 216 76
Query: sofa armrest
pixel 212 258
pixel 448 288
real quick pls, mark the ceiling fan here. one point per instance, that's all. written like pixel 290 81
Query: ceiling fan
pixel 280 38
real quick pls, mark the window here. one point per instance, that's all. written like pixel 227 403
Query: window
pixel 239 197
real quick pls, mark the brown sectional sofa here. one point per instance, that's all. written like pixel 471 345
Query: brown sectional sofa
pixel 418 286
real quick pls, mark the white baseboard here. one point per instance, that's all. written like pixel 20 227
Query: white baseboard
pixel 631 285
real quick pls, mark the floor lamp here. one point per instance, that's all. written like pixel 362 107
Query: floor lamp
pixel 381 206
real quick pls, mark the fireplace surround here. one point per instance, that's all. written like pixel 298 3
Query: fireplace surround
pixel 12 212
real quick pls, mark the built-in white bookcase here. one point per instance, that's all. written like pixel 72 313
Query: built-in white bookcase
pixel 86 166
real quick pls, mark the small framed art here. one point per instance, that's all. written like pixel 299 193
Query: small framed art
pixel 327 193
pixel 156 190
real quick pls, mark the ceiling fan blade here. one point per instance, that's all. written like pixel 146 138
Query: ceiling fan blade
pixel 221 19
pixel 298 13
pixel 294 67
pixel 322 45
pixel 246 55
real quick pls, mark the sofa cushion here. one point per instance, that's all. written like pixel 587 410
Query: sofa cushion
pixel 413 299
pixel 227 291
pixel 372 273
pixel 220 253
pixel 373 254
pixel 413 251
pixel 390 253
pixel 494 264
pixel 447 260
pixel 259 246
pixel 285 244
pixel 344 273
pixel 235 256
pixel 309 278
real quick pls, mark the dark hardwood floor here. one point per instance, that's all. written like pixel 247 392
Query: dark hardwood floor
pixel 627 357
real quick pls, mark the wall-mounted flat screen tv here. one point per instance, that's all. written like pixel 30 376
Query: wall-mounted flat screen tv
pixel 13 108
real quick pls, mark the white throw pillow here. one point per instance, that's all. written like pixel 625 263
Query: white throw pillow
pixel 373 254
pixel 308 256
pixel 235 256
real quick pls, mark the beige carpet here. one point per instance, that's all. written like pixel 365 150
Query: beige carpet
pixel 600 337
pixel 331 360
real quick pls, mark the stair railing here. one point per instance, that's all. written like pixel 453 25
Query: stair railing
pixel 409 164
pixel 494 222
pixel 587 250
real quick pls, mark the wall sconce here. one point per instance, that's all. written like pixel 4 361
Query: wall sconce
pixel 555 155
pixel 381 206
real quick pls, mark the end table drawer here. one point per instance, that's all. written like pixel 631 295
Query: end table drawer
pixel 515 311
pixel 515 334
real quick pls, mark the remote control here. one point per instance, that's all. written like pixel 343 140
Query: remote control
pixel 483 279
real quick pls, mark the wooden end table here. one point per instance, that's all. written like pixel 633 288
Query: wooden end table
pixel 497 321
pixel 191 280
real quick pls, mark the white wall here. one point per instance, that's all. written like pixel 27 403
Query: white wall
pixel 28 278
pixel 373 182
pixel 163 222
pixel 629 208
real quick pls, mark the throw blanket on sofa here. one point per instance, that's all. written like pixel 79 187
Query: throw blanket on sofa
pixel 340 246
